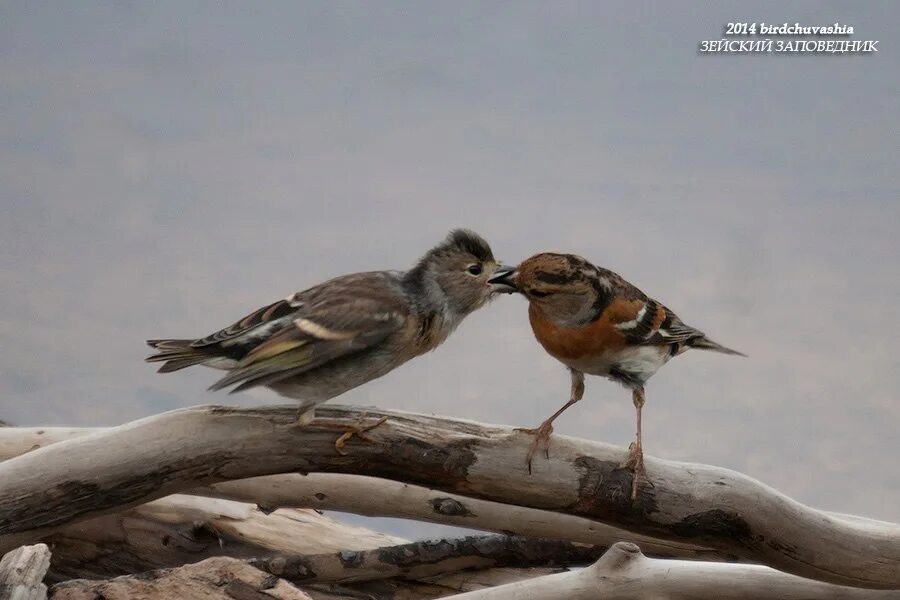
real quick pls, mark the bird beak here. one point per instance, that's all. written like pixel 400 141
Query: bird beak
pixel 503 281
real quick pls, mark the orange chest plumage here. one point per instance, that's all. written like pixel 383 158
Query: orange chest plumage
pixel 572 343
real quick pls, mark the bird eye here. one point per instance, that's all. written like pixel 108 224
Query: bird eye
pixel 474 269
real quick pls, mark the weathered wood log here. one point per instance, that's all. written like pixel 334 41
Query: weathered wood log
pixel 15 441
pixel 219 578
pixel 375 497
pixel 22 573
pixel 226 578
pixel 439 587
pixel 178 529
pixel 431 558
pixel 160 455
pixel 370 496
pixel 623 573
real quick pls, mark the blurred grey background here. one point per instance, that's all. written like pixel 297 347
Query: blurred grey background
pixel 167 167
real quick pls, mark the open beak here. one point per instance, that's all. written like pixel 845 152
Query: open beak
pixel 503 281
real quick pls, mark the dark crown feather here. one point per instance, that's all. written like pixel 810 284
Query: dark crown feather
pixel 466 240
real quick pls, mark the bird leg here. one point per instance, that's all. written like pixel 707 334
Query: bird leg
pixel 635 460
pixel 359 430
pixel 542 432
pixel 305 415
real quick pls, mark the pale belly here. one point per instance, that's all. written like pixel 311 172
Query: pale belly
pixel 631 367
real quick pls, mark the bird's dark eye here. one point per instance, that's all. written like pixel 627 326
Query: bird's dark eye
pixel 538 293
pixel 474 269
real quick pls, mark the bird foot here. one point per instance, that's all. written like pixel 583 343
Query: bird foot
pixel 359 430
pixel 635 464
pixel 304 416
pixel 541 440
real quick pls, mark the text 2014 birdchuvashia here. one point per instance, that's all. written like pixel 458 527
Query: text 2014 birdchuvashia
pixel 734 40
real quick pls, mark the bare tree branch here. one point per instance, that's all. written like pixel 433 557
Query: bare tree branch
pixel 623 573
pixel 167 453
pixel 22 573
pixel 431 558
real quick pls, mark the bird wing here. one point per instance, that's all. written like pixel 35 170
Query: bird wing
pixel 336 318
pixel 673 330
pixel 230 343
pixel 266 318
pixel 655 325
pixel 302 331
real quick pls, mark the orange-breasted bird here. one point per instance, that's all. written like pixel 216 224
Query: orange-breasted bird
pixel 323 341
pixel 595 322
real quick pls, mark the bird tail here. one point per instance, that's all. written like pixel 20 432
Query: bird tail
pixel 704 343
pixel 176 354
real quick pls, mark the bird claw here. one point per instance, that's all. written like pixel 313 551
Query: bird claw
pixel 541 440
pixel 635 464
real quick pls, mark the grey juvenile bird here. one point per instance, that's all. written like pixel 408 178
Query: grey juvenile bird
pixel 321 342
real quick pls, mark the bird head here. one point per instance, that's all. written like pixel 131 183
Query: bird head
pixel 461 266
pixel 562 285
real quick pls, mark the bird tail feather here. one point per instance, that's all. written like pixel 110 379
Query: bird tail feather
pixel 704 343
pixel 176 354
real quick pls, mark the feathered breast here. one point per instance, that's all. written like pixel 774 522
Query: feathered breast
pixel 594 338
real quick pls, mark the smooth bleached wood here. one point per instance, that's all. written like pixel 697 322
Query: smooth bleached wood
pixel 623 573
pixel 180 529
pixel 698 504
pixel 22 573
pixel 375 497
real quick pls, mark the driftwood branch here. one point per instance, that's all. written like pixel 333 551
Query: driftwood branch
pixel 623 573
pixel 226 578
pixel 168 453
pixel 467 581
pixel 428 589
pixel 427 559
pixel 440 587
pixel 212 579
pixel 375 497
pixel 22 573
pixel 179 529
